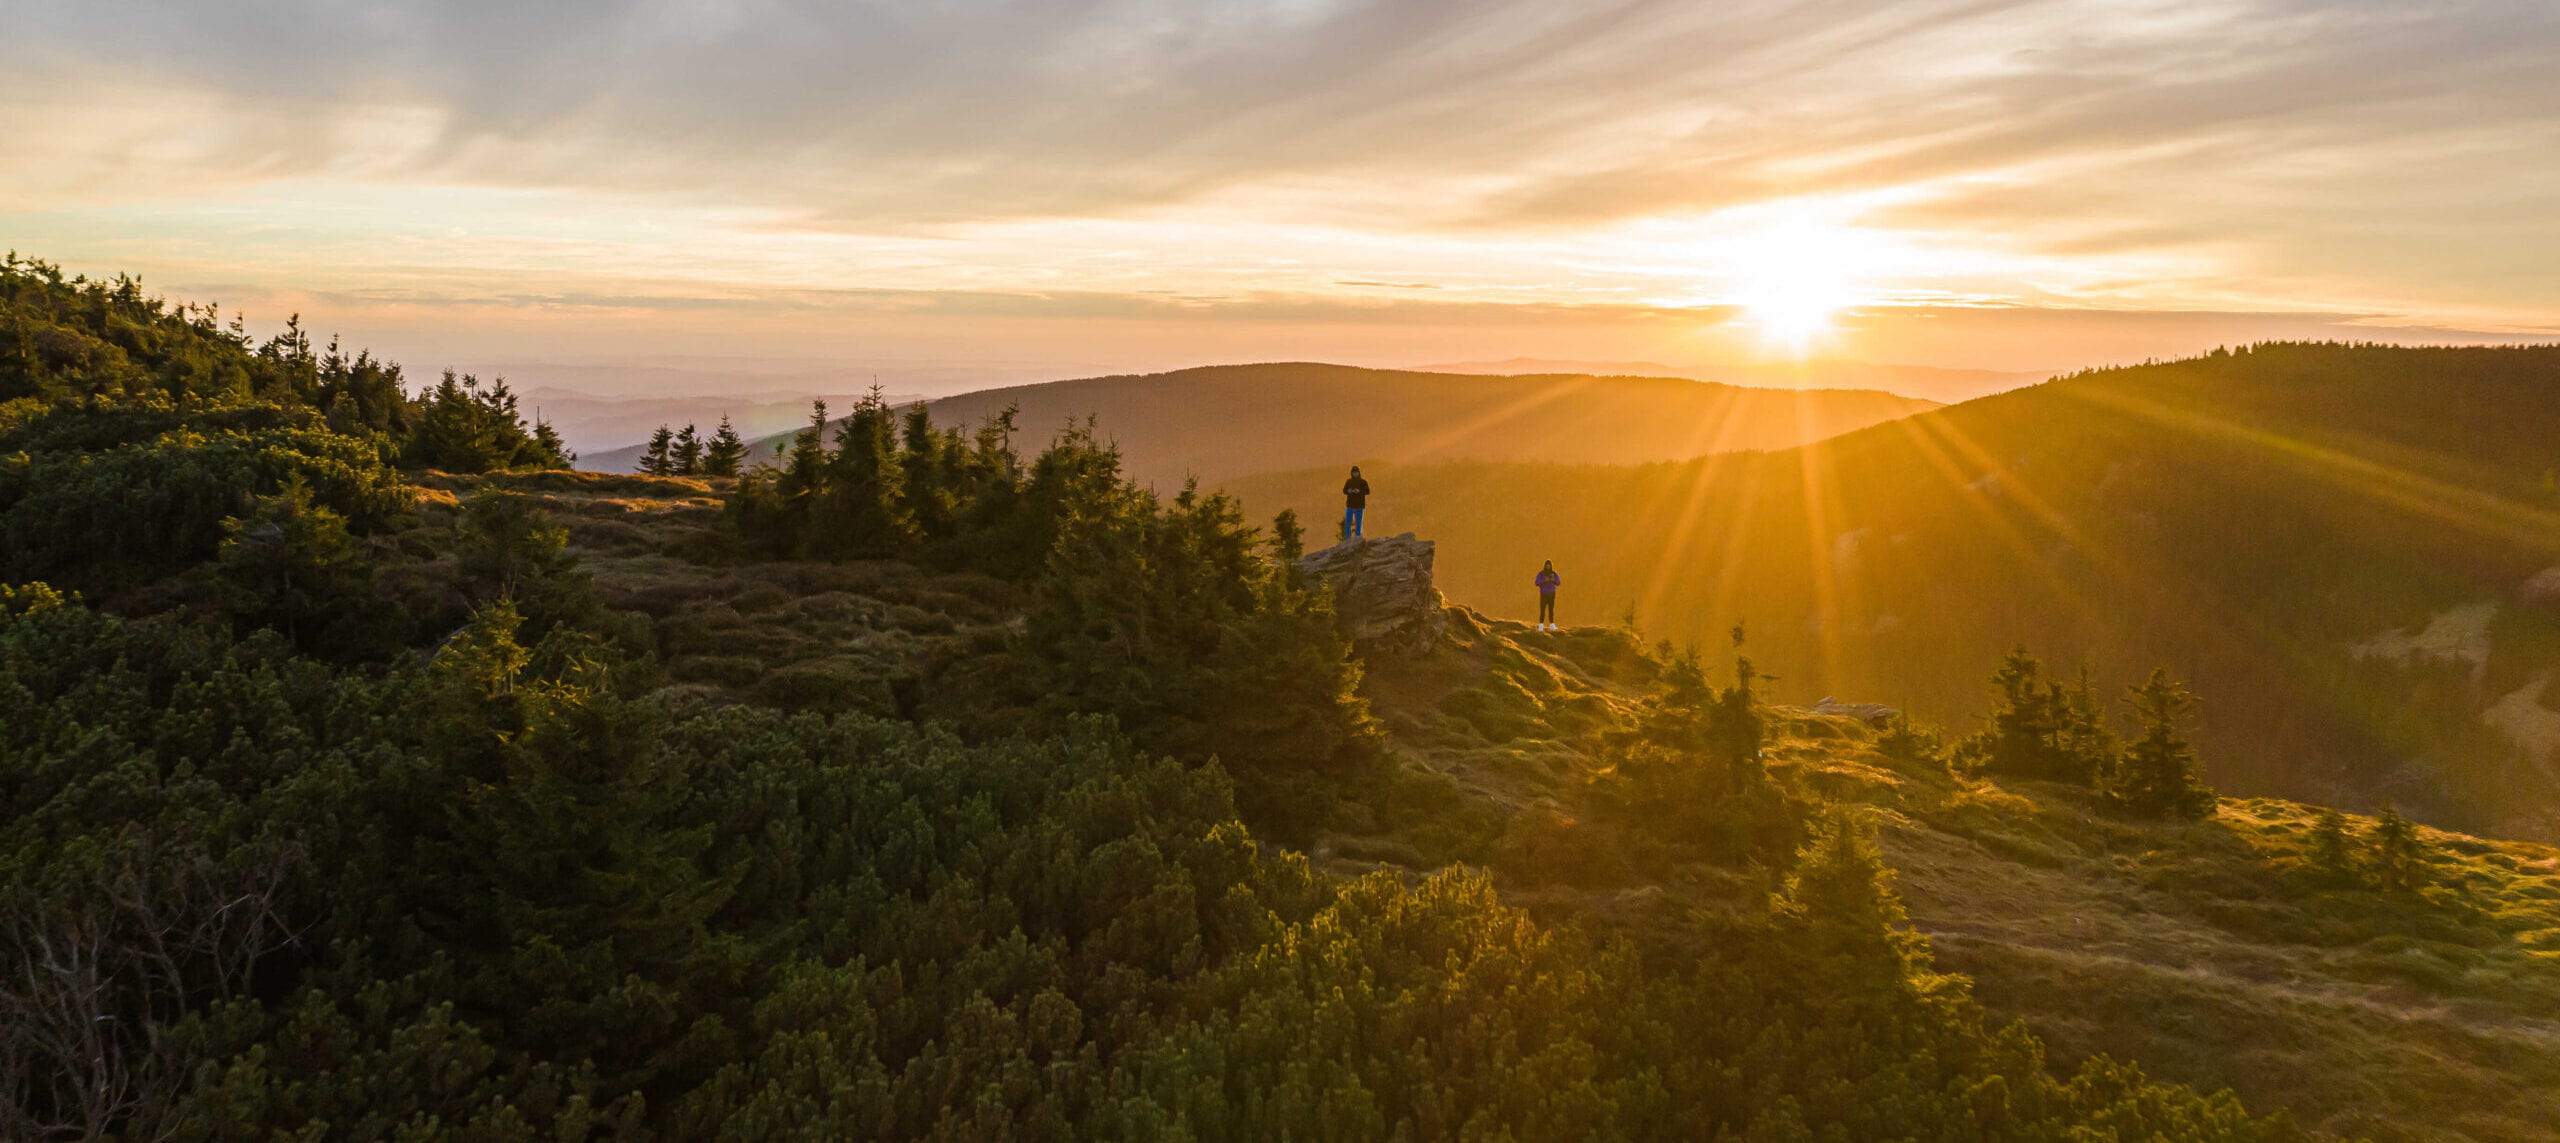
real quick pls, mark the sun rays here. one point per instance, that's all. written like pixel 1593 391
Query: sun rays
pixel 1794 277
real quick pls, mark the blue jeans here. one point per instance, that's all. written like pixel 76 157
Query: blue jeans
pixel 1351 522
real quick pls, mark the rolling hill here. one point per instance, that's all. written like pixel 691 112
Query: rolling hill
pixel 1226 421
pixel 2349 549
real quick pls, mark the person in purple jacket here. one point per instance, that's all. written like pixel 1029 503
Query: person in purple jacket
pixel 1547 581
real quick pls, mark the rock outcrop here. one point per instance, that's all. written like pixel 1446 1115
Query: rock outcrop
pixel 1872 713
pixel 1382 591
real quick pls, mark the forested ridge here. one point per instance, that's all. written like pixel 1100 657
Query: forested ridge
pixel 364 776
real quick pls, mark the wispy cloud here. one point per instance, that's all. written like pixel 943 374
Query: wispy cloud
pixel 1308 156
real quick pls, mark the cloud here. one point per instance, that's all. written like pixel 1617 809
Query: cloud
pixel 870 114
pixel 2373 157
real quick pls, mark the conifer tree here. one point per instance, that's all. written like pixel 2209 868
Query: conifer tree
pixel 554 452
pixel 861 510
pixel 2041 729
pixel 659 458
pixel 773 502
pixel 685 458
pixel 291 564
pixel 1288 537
pixel 1737 729
pixel 723 455
pixel 931 462
pixel 464 426
pixel 2085 750
pixel 2019 740
pixel 1906 741
pixel 2329 858
pixel 509 547
pixel 1841 896
pixel 1692 770
pixel 2160 777
pixel 806 453
pixel 2400 859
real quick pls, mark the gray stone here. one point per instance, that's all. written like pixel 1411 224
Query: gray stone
pixel 1871 713
pixel 1382 591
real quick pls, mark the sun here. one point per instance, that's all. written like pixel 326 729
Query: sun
pixel 1793 277
pixel 1794 305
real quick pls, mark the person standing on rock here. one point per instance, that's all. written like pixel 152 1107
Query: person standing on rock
pixel 1547 581
pixel 1355 500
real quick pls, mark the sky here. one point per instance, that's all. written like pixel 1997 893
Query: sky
pixel 968 189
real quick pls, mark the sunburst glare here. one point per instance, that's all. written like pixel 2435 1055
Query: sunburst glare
pixel 1793 276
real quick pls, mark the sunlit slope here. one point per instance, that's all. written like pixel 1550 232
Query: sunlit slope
pixel 2339 545
pixel 1224 421
pixel 2217 953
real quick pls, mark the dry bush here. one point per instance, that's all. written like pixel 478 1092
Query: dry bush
pixel 102 971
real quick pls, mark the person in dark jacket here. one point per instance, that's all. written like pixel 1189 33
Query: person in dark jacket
pixel 1547 581
pixel 1355 500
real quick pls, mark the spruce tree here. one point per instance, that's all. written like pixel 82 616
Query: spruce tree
pixel 509 547
pixel 930 459
pixel 1906 741
pixel 685 459
pixel 291 565
pixel 861 511
pixel 550 450
pixel 2400 860
pixel 1737 729
pixel 2328 857
pixel 1288 537
pixel 806 452
pixel 2160 776
pixel 2043 730
pixel 1840 897
pixel 2084 749
pixel 2019 743
pixel 659 458
pixel 723 455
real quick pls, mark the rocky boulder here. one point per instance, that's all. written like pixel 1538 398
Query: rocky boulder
pixel 1382 591
pixel 1874 714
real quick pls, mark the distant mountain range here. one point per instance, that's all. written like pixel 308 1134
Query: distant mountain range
pixel 2353 552
pixel 1221 422
pixel 1946 386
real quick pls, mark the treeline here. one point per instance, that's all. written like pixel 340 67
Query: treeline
pixel 130 429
